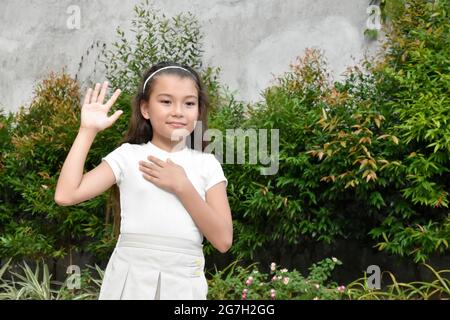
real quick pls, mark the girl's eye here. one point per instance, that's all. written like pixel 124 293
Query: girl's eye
pixel 165 101
pixel 191 104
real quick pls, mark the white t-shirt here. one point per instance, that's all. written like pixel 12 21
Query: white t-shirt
pixel 148 209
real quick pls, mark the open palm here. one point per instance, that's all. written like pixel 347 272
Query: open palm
pixel 94 114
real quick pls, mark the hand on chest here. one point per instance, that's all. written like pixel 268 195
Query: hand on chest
pixel 155 172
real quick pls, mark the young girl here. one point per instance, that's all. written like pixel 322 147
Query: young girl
pixel 170 193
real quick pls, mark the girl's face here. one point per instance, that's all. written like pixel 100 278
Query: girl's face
pixel 172 107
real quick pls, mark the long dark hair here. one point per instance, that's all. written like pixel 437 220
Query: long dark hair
pixel 140 129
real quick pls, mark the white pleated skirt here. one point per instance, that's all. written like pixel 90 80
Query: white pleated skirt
pixel 149 267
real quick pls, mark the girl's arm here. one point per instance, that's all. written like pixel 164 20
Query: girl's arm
pixel 73 186
pixel 213 216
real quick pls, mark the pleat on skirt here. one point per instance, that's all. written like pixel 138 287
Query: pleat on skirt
pixel 150 267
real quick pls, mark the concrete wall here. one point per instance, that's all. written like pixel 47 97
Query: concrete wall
pixel 250 40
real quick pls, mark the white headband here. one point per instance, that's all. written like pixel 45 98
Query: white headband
pixel 168 67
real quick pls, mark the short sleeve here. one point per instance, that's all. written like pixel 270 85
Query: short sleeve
pixel 214 172
pixel 116 160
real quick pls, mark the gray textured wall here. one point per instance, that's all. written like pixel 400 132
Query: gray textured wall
pixel 250 40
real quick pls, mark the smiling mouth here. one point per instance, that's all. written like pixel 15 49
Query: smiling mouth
pixel 176 124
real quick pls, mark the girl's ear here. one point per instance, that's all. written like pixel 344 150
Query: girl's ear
pixel 144 111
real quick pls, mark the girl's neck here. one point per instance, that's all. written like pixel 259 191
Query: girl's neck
pixel 167 144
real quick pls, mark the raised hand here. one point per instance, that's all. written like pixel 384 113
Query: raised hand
pixel 94 114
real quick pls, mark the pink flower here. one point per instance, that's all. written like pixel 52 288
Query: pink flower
pixel 284 270
pixel 272 293
pixel 286 280
pixel 341 289
pixel 274 278
pixel 244 294
pixel 249 281
pixel 273 266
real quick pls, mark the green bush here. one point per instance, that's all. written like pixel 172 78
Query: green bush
pixel 28 284
pixel 438 288
pixel 40 136
pixel 236 282
pixel 155 38
pixel 414 78
pixel 36 141
pixel 366 158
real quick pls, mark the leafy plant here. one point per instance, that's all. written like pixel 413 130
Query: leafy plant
pixel 248 283
pixel 41 135
pixel 37 139
pixel 387 11
pixel 436 289
pixel 155 38
pixel 234 282
pixel 414 77
pixel 27 284
pixel 365 158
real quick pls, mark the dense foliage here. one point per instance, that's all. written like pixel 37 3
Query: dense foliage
pixel 36 140
pixel 366 158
